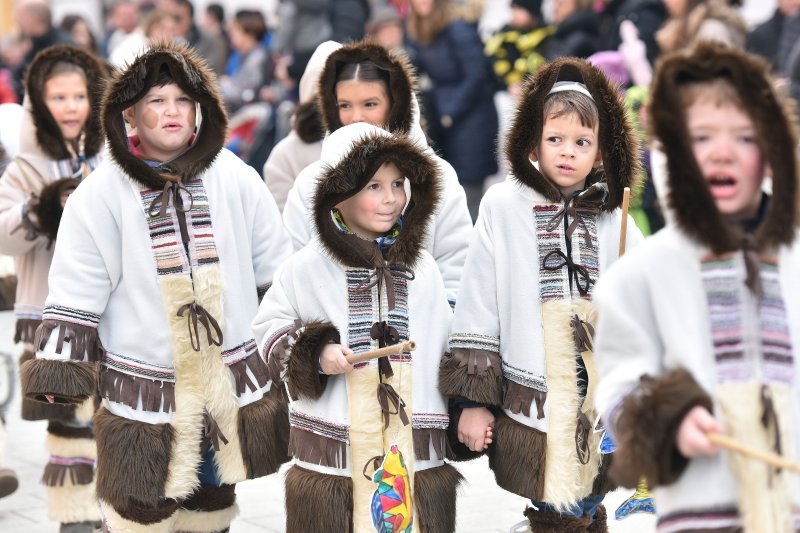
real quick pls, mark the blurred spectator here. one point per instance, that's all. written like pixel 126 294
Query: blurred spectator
pixel 765 39
pixel 385 27
pixel 78 29
pixel 696 20
pixel 304 24
pixel 214 21
pixel 7 93
pixel 209 46
pixel 157 26
pixel 348 19
pixel 576 29
pixel 460 100
pixel 247 30
pixel 647 15
pixel 35 22
pixel 124 20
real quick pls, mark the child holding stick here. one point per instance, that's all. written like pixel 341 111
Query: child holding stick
pixel 699 327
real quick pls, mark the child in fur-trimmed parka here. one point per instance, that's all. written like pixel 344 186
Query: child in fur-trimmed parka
pixel 383 93
pixel 162 255
pixel 700 326
pixel 60 143
pixel 345 292
pixel 520 360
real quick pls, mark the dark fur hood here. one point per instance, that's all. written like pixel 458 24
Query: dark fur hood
pixel 308 122
pixel 48 134
pixel 351 156
pixel 402 84
pixel 619 143
pixel 689 198
pixel 194 76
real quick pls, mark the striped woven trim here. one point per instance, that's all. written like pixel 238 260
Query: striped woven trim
pixel 62 168
pixel 319 426
pixel 776 344
pixel 242 351
pixel 68 314
pixel 586 256
pixel 430 420
pixel 477 342
pixel 138 368
pixel 699 520
pixel 165 236
pixel 525 378
pixel 29 312
pixel 69 461
pixel 273 339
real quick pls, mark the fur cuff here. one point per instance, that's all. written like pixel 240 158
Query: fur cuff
pixel 69 381
pixel 264 435
pixel 435 497
pixel 48 209
pixel 472 374
pixel 647 426
pixel 517 456
pixel 302 374
pixel 318 502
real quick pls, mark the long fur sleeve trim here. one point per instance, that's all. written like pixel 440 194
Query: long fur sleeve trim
pixel 302 374
pixel 68 381
pixel 472 374
pixel 48 209
pixel 647 426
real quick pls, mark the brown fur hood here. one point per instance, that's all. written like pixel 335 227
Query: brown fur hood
pixel 689 198
pixel 619 143
pixel 351 155
pixel 48 134
pixel 194 76
pixel 402 84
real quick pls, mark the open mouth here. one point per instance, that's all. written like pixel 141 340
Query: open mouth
pixel 721 185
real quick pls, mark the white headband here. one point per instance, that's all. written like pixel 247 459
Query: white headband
pixel 561 86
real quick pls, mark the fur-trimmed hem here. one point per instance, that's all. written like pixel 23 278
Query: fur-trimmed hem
pixel 35 410
pixel 205 521
pixel 132 460
pixel 140 519
pixel 555 522
pixel 68 381
pixel 264 435
pixel 73 503
pixel 302 374
pixel 472 374
pixel 599 522
pixel 435 492
pixel 518 457
pixel 318 502
pixel 647 425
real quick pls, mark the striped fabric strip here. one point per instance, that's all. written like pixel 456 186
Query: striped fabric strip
pixel 139 368
pixel 523 377
pixel 68 314
pixel 30 312
pixel 68 461
pixel 475 342
pixel 776 344
pixel 319 426
pixel 430 420
pixel 553 284
pixel 63 168
pixel 242 351
pixel 587 257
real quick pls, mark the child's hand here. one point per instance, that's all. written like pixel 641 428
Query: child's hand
pixel 332 359
pixel 691 439
pixel 475 428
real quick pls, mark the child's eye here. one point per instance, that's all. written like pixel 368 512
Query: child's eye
pixel 344 105
pixel 554 139
pixel 156 101
pixel 699 138
pixel 584 143
pixel 749 139
pixel 398 184
pixel 373 186
pixel 185 99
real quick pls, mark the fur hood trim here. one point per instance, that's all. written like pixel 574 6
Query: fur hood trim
pixel 619 143
pixel 689 198
pixel 193 75
pixel 402 84
pixel 308 122
pixel 48 133
pixel 351 156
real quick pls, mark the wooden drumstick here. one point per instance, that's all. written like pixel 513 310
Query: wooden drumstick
pixel 407 346
pixel 772 459
pixel 623 227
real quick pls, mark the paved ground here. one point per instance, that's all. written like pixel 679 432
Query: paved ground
pixel 482 506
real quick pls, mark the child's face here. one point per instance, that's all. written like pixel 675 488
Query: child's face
pixel 724 143
pixel 362 101
pixel 164 120
pixel 375 209
pixel 521 18
pixel 67 99
pixel 562 9
pixel 567 152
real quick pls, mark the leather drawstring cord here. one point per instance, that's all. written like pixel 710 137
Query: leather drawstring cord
pixel 577 214
pixel 160 203
pixel 387 395
pixel 582 438
pixel 196 316
pixel 770 418
pixel 211 433
pixel 582 334
pixel 385 335
pixel 376 464
pixel 578 271
pixel 386 273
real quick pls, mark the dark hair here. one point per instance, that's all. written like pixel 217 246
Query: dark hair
pixel 567 102
pixel 69 22
pixel 186 3
pixel 217 11
pixel 252 23
pixel 364 71
pixel 65 67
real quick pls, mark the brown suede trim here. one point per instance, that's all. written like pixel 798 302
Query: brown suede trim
pixel 209 498
pixel 84 340
pixel 402 84
pixel 48 209
pixel 56 475
pixel 517 456
pixel 156 395
pixel 35 410
pixel 555 522
pixel 70 432
pixel 302 373
pixel 48 133
pixel 264 435
pixel 132 460
pixel 352 174
pixel 317 449
pixel 647 425
pixel 619 142
pixel 471 374
pixel 773 117
pixel 424 437
pixel 148 514
pixel 435 498
pixel 308 122
pixel 69 381
pixel 242 379
pixel 318 502
pixel 25 331
pixel 519 398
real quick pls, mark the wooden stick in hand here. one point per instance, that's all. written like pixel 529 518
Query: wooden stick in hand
pixel 772 459
pixel 394 349
pixel 623 226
